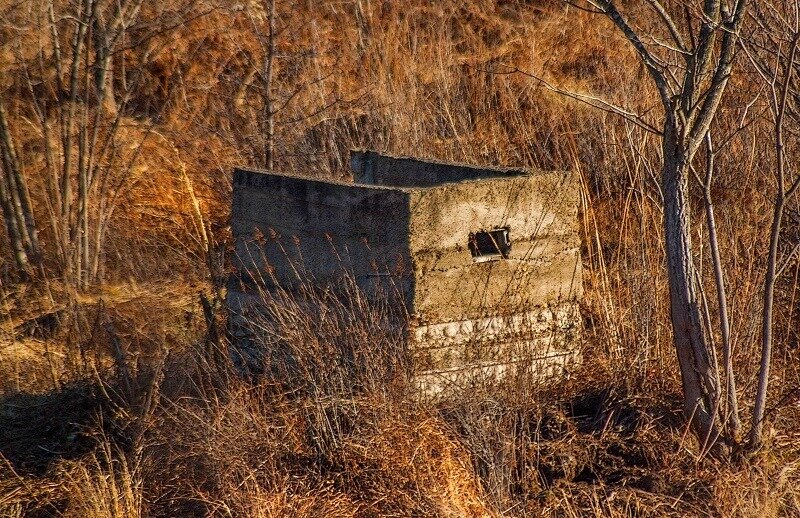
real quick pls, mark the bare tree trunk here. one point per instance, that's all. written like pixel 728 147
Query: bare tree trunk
pixel 75 55
pixel 83 227
pixel 12 227
pixel 103 71
pixel 731 419
pixel 269 112
pixel 17 208
pixel 698 368
pixel 17 191
pixel 69 225
pixel 241 90
pixel 12 192
pixel 781 90
pixel 690 85
pixel 756 432
pixel 766 323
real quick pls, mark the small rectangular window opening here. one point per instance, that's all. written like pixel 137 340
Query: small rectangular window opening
pixel 490 245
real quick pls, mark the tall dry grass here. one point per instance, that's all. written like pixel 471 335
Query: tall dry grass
pixel 191 436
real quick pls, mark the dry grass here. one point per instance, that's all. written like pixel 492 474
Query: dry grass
pixel 190 436
pixel 122 408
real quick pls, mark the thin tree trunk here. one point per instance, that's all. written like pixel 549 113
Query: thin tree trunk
pixel 732 423
pixel 779 105
pixel 12 228
pixel 82 264
pixel 241 90
pixel 103 66
pixel 69 232
pixel 698 371
pixel 99 235
pixel 11 165
pixel 766 323
pixel 269 114
pixel 16 202
pixel 53 194
pixel 18 196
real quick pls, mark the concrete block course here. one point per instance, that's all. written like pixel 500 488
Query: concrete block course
pixel 486 260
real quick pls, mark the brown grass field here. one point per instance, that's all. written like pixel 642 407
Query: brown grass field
pixel 117 400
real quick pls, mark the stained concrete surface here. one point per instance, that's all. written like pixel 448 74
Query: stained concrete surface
pixel 405 227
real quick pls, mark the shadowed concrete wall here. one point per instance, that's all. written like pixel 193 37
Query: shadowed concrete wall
pixel 318 230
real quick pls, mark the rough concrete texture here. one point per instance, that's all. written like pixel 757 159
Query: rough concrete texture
pixel 374 168
pixel 543 266
pixel 420 228
pixel 304 229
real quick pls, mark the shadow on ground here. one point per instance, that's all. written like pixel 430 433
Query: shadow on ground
pixel 38 430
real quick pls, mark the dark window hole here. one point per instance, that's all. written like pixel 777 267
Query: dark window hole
pixel 490 245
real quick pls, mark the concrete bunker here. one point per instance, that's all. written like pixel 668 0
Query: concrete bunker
pixel 486 260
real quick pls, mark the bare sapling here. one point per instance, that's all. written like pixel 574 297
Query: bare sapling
pixel 731 418
pixel 79 114
pixel 15 202
pixel 773 52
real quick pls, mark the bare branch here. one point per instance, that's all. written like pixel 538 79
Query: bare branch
pixel 590 100
pixel 670 23
pixel 788 260
pixel 656 73
pixel 722 74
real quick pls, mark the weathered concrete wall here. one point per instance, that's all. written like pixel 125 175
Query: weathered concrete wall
pixel 540 212
pixel 374 168
pixel 410 224
pixel 480 319
pixel 311 230
pixel 290 231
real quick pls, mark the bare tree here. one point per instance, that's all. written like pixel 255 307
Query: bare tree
pixel 269 110
pixel 66 92
pixel 15 201
pixel 690 64
pixel 278 30
pixel 87 121
pixel 731 414
pixel 773 51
